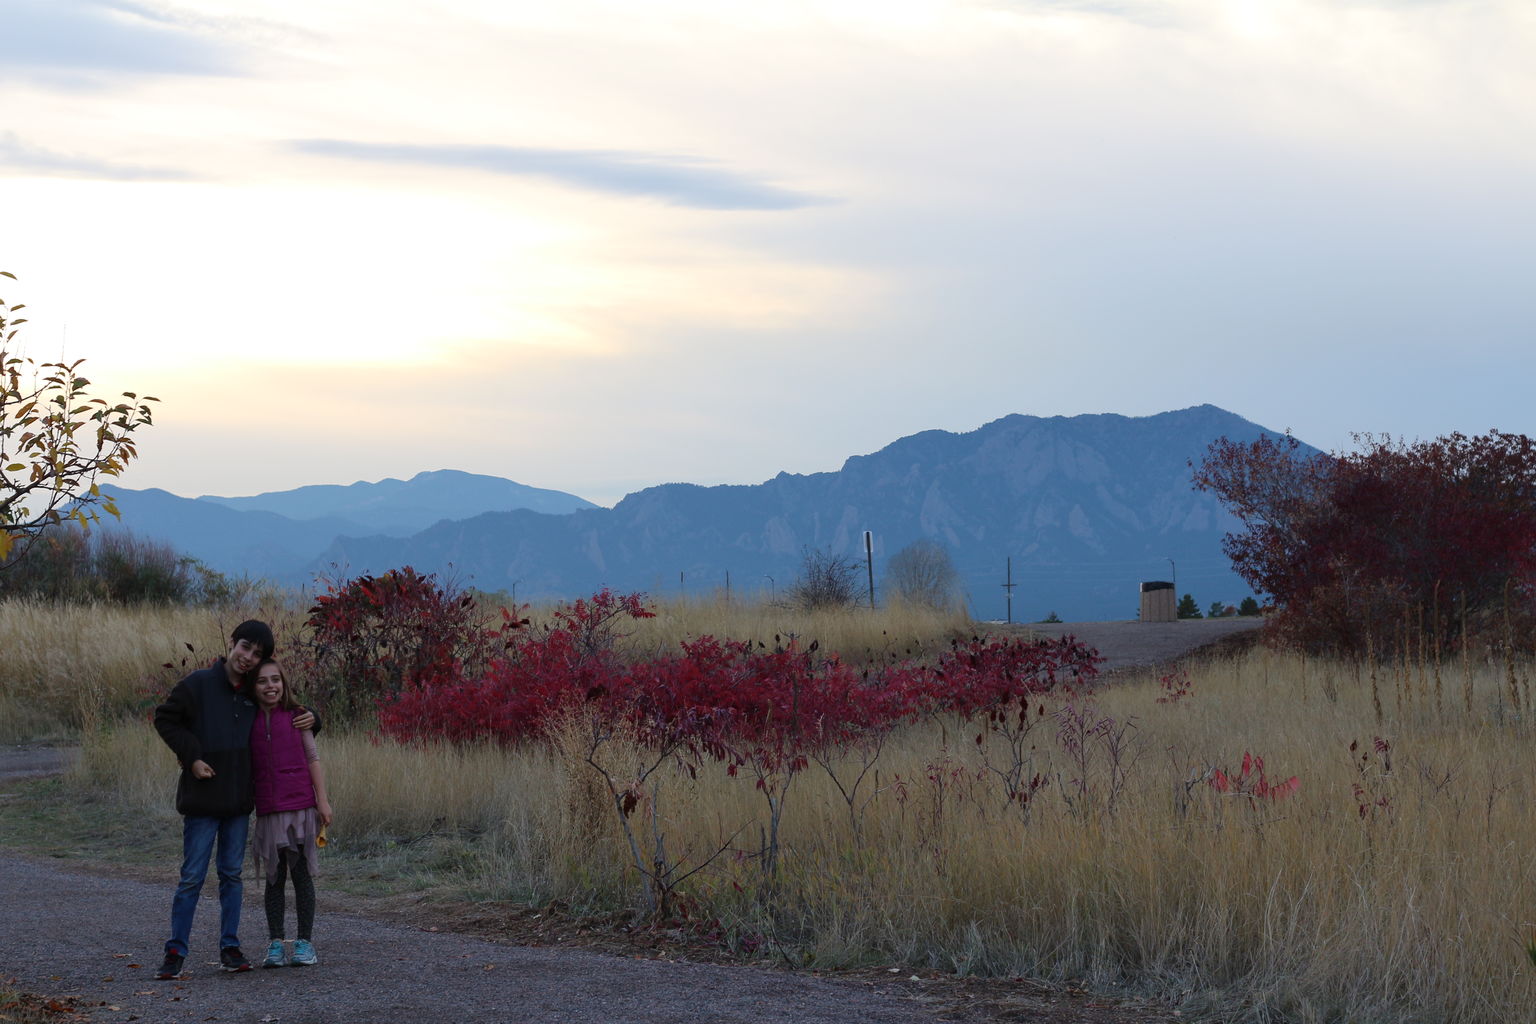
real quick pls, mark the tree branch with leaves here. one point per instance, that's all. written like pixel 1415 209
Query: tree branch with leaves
pixel 56 440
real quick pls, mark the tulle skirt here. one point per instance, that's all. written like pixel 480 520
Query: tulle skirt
pixel 285 830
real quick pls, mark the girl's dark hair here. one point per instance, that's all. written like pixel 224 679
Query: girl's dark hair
pixel 288 701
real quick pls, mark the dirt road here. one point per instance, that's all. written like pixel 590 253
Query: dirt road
pixel 65 933
pixel 1130 644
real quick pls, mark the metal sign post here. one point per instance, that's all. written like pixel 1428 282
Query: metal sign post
pixel 869 564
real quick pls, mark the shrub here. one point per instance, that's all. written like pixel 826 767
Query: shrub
pixel 922 573
pixel 826 581
pixel 1442 531
pixel 371 635
pixel 62 564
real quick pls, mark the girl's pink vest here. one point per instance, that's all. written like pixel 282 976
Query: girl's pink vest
pixel 278 765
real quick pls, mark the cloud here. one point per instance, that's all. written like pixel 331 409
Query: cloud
pixel 1149 13
pixel 58 39
pixel 18 157
pixel 675 180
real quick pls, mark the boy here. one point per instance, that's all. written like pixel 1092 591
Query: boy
pixel 206 721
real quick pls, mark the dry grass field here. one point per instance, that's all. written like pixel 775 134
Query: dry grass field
pixel 1393 884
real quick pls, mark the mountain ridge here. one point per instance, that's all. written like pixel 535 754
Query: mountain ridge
pixel 1074 511
pixel 1088 505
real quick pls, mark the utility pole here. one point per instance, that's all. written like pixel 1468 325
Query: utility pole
pixel 1008 586
pixel 869 564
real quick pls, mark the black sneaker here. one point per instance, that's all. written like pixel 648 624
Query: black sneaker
pixel 171 968
pixel 231 959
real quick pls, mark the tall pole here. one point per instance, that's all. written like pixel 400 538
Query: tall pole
pixel 869 564
pixel 1008 589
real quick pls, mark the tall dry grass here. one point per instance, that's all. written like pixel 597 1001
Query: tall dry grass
pixel 66 665
pixel 856 633
pixel 1395 885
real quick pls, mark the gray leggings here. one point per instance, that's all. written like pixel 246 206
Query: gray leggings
pixel 303 895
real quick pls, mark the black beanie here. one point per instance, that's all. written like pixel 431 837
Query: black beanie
pixel 258 633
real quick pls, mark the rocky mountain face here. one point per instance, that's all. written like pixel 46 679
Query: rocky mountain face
pixel 1076 511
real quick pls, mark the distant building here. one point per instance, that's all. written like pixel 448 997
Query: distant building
pixel 1158 603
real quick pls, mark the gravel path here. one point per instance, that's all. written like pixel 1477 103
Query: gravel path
pixel 1129 644
pixel 31 761
pixel 71 934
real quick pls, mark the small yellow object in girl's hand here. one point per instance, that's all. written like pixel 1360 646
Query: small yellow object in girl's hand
pixel 320 839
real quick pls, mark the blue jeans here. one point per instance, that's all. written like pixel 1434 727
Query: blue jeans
pixel 197 838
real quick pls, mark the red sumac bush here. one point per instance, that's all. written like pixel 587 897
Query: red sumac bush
pixel 370 636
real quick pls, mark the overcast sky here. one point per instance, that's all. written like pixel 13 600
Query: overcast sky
pixel 596 246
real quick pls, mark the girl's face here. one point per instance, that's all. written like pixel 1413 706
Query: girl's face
pixel 269 686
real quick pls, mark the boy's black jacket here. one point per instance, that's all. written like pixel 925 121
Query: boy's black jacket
pixel 206 719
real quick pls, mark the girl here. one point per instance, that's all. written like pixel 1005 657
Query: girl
pixel 292 812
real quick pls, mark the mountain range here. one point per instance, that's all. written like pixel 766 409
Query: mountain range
pixel 1074 511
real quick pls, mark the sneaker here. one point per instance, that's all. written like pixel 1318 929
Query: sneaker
pixel 171 967
pixel 277 955
pixel 231 959
pixel 303 954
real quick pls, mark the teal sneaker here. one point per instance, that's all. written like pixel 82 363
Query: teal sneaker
pixel 303 954
pixel 277 955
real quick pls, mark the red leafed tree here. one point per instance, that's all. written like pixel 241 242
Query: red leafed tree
pixel 1436 535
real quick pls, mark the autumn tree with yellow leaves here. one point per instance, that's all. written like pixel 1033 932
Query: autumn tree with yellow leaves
pixel 56 440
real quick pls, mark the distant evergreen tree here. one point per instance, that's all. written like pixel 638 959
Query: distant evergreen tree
pixel 1248 607
pixel 1188 609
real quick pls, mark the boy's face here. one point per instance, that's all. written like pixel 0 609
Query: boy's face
pixel 243 656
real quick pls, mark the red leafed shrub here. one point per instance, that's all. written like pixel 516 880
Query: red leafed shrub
pixel 1440 534
pixel 764 713
pixel 773 708
pixel 1252 783
pixel 997 684
pixel 372 635
pixel 1176 685
pixel 995 679
pixel 571 659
